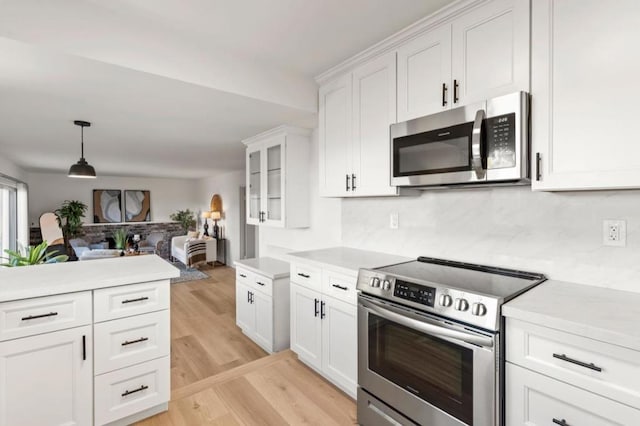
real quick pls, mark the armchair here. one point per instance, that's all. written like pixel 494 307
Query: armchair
pixel 180 249
pixel 153 243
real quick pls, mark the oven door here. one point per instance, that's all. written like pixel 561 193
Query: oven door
pixel 431 371
pixel 444 148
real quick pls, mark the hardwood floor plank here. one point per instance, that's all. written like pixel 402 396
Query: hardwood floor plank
pixel 247 404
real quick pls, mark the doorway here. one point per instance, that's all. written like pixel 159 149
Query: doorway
pixel 248 233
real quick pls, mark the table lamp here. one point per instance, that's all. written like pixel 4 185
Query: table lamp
pixel 205 216
pixel 215 216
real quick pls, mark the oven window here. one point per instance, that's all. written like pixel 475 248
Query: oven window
pixel 435 370
pixel 440 151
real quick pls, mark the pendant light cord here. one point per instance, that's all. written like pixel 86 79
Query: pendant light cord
pixel 81 141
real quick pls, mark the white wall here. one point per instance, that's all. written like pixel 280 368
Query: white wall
pixel 227 185
pixel 559 234
pixel 10 169
pixel 325 230
pixel 47 191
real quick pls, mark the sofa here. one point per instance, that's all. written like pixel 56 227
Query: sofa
pixel 180 248
pixel 86 251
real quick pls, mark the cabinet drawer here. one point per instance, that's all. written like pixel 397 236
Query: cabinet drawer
pixel 243 275
pixel 340 286
pixel 124 301
pixel 606 369
pixel 263 284
pixel 127 341
pixel 130 390
pixel 307 276
pixel 27 317
pixel 534 399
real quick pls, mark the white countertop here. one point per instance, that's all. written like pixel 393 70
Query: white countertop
pixel 349 260
pixel 57 278
pixel 611 316
pixel 267 266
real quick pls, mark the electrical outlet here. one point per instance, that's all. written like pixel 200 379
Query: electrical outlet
pixel 393 221
pixel 614 233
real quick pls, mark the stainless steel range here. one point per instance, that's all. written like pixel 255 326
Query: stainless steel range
pixel 429 342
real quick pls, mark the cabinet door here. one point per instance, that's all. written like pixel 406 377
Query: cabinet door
pixel 340 344
pixel 306 327
pixel 263 306
pixel 424 74
pixel 537 400
pixel 273 181
pixel 254 185
pixel 374 110
pixel 334 129
pixel 584 104
pixel 245 311
pixel 490 51
pixel 44 379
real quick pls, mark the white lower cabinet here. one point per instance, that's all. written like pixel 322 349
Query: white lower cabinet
pixel 537 400
pixel 47 379
pixel 324 335
pixel 262 309
pixel 555 377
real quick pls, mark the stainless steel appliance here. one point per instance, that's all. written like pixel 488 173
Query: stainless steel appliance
pixel 430 342
pixel 478 144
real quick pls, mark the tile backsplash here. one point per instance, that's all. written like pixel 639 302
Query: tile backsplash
pixel 558 234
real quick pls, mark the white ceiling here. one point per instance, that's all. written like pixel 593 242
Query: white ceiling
pixel 171 86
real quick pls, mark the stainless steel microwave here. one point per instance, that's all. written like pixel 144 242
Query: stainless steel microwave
pixel 480 144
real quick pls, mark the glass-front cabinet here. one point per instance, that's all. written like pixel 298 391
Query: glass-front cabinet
pixel 278 178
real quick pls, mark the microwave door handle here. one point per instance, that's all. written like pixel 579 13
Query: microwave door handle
pixel 476 145
pixel 423 327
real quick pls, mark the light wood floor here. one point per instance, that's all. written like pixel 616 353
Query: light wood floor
pixel 220 377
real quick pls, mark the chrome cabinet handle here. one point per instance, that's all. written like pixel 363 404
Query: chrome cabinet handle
pixel 476 145
pixel 139 299
pixel 340 287
pixel 590 366
pixel 140 389
pixel 131 342
pixel 32 317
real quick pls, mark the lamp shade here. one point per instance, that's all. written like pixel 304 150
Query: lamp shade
pixel 205 215
pixel 215 215
pixel 82 169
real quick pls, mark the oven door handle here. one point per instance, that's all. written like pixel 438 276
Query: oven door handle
pixel 476 145
pixel 430 329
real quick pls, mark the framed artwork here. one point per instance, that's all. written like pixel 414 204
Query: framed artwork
pixel 107 206
pixel 137 206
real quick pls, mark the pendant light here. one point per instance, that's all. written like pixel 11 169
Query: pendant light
pixel 82 169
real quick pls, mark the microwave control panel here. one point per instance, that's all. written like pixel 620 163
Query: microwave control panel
pixel 501 141
pixel 415 293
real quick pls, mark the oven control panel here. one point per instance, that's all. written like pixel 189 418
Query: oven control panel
pixel 414 292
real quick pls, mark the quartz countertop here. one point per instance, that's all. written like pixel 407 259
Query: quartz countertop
pixel 347 259
pixel 57 278
pixel 611 316
pixel 267 266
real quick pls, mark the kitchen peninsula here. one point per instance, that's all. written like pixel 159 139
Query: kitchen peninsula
pixel 85 342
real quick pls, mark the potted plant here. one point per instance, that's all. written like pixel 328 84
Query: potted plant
pixel 71 212
pixel 33 255
pixel 186 219
pixel 120 238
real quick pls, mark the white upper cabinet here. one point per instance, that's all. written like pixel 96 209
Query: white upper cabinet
pixel 335 137
pixel 278 178
pixel 374 110
pixel 477 55
pixel 490 51
pixel 424 74
pixel 356 111
pixel 584 105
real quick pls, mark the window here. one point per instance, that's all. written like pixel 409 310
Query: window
pixel 14 229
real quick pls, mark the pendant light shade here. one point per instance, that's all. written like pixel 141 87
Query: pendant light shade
pixel 82 169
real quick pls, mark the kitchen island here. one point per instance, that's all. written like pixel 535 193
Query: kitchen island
pixel 85 342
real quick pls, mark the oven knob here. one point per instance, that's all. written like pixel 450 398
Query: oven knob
pixel 375 282
pixel 461 305
pixel 478 309
pixel 446 300
pixel 386 285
